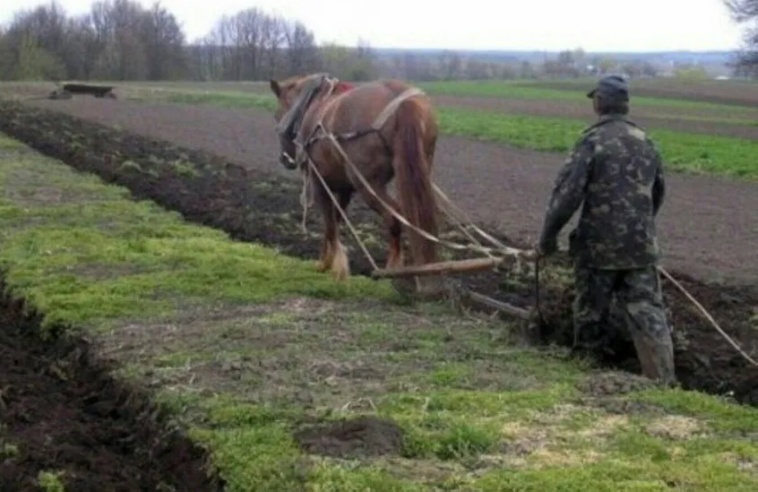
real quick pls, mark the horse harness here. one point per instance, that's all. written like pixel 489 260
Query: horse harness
pixel 320 132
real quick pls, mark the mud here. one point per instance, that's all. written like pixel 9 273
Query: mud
pixel 355 438
pixel 253 205
pixel 64 413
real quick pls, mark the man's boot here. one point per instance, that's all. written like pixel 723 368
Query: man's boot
pixel 656 357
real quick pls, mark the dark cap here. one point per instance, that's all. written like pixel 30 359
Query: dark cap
pixel 613 86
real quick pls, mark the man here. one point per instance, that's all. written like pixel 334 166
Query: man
pixel 617 172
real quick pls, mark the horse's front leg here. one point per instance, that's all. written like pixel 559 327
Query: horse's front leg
pixel 333 255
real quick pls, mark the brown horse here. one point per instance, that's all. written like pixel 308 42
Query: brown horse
pixel 387 130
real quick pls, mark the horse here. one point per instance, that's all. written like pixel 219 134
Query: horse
pixel 386 129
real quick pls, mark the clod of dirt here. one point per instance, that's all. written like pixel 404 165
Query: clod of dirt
pixel 360 437
pixel 614 383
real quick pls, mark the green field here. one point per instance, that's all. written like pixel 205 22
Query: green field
pixel 681 151
pixel 246 347
pixel 534 91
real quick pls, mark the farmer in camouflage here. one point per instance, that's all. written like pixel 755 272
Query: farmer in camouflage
pixel 617 172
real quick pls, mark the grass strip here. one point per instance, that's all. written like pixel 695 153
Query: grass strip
pixel 522 90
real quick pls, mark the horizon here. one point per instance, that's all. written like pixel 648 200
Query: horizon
pixel 711 29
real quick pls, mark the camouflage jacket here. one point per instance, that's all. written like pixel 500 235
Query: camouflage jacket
pixel 617 172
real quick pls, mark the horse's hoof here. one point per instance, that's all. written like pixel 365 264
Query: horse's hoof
pixel 340 275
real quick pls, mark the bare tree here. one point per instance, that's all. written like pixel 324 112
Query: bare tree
pixel 746 12
pixel 253 45
pixel 163 44
pixel 122 40
pixel 302 54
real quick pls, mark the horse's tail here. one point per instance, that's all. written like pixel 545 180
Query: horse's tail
pixel 413 179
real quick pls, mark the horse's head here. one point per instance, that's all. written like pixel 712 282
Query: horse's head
pixel 294 95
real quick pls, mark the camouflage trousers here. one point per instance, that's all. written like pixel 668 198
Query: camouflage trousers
pixel 642 312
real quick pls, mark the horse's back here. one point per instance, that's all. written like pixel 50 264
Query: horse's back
pixel 377 90
pixel 361 105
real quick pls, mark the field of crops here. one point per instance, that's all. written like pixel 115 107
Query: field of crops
pixel 164 325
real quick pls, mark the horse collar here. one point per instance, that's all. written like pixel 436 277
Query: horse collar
pixel 289 126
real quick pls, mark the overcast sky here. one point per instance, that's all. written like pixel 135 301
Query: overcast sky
pixel 641 25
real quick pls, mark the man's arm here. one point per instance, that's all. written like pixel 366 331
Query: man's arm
pixel 567 195
pixel 659 185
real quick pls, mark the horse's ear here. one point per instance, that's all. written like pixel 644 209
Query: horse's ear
pixel 275 88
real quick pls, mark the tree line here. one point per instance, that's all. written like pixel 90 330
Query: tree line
pixel 122 40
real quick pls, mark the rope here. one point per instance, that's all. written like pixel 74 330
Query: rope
pixel 305 200
pixel 452 245
pixel 459 224
pixel 476 229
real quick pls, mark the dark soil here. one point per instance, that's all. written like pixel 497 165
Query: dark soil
pixel 355 438
pixel 65 413
pixel 254 205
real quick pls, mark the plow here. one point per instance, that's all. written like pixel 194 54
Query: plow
pixel 497 256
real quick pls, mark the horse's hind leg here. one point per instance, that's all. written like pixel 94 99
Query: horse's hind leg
pixel 394 227
pixel 333 255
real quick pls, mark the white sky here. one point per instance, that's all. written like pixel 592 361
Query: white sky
pixel 641 25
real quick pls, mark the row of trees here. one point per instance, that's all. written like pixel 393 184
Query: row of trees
pixel 122 40
pixel 115 40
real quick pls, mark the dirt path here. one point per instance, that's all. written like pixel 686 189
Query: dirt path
pixel 708 226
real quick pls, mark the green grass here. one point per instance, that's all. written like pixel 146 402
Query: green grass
pixel 50 481
pixel 83 253
pixel 681 151
pixel 245 347
pixel 522 90
pixel 685 152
